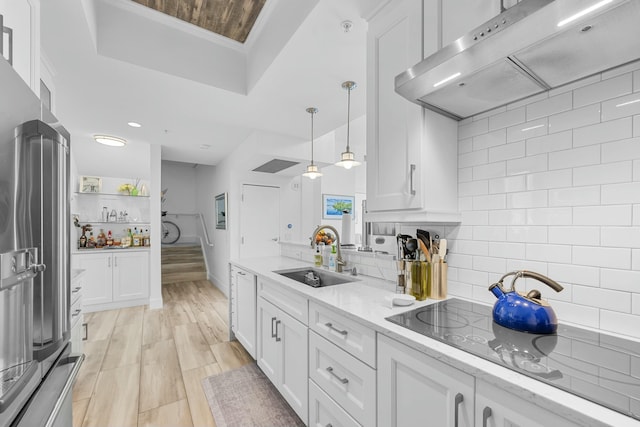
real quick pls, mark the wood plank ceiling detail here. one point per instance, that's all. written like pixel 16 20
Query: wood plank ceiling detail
pixel 230 18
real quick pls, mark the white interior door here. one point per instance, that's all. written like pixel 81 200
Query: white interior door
pixel 259 221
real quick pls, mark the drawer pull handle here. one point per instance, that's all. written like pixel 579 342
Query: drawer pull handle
pixel 330 326
pixel 277 337
pixel 85 326
pixel 458 400
pixel 486 414
pixel 76 289
pixel 342 380
pixel 273 334
pixel 241 273
pixel 75 313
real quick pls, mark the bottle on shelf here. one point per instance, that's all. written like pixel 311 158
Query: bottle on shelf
pixel 105 214
pixel 109 242
pixel 136 237
pixel 101 240
pixel 91 243
pixel 83 241
pixel 147 238
pixel 113 216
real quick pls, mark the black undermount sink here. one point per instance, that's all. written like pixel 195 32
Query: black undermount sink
pixel 316 277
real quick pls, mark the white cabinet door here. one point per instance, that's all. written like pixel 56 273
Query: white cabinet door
pixel 461 16
pixel 97 281
pixel 130 276
pixel 412 386
pixel 496 408
pixel 21 38
pixel 233 299
pixel 245 295
pixel 294 380
pixel 268 354
pixel 394 125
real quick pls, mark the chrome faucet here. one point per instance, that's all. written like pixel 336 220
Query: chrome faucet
pixel 339 261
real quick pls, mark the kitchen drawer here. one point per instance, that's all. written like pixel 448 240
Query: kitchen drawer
pixel 293 304
pixel 76 312
pixel 347 380
pixel 344 332
pixel 325 412
pixel 76 292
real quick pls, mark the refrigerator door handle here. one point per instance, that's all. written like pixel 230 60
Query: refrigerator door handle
pixel 9 32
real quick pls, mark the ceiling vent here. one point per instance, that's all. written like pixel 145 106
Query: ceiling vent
pixel 275 166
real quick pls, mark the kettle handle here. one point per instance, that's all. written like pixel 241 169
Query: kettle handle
pixel 533 275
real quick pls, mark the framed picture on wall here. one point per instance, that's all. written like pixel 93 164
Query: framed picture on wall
pixel 333 206
pixel 90 184
pixel 221 211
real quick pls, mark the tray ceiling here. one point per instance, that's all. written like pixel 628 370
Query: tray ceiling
pixel 230 18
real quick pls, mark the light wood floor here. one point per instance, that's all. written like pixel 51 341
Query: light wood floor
pixel 144 367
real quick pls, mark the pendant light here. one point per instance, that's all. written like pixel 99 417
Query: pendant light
pixel 347 158
pixel 312 170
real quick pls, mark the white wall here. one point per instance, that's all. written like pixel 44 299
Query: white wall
pixel 552 184
pixel 179 180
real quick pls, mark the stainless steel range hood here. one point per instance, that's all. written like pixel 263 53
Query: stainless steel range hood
pixel 524 51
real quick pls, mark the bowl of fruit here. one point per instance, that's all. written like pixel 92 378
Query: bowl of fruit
pixel 326 237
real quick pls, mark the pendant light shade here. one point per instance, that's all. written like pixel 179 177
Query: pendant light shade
pixel 347 158
pixel 312 171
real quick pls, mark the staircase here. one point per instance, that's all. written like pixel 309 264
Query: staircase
pixel 182 264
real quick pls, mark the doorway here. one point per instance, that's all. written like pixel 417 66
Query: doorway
pixel 259 221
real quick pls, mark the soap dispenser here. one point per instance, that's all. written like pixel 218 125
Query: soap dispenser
pixel 318 257
pixel 332 258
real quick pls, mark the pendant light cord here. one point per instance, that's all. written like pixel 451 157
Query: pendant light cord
pixel 348 114
pixel 312 113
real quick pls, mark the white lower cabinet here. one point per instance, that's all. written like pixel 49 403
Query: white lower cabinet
pixel 76 316
pixel 496 407
pixel 282 354
pixel 243 308
pixel 414 388
pixel 114 280
pixel 347 380
pixel 323 411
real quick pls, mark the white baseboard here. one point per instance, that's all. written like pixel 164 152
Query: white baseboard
pixel 156 303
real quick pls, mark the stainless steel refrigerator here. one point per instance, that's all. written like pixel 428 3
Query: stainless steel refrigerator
pixel 36 367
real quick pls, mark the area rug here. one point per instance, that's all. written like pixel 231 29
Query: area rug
pixel 244 397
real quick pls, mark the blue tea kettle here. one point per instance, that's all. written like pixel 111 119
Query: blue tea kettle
pixel 525 313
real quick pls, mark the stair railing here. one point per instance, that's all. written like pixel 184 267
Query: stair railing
pixel 203 225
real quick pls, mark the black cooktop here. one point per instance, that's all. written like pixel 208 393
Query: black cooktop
pixel 598 367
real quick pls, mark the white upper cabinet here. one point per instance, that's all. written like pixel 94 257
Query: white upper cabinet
pixel 411 153
pixel 21 39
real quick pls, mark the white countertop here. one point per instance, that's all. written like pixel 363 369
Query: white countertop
pixel 365 301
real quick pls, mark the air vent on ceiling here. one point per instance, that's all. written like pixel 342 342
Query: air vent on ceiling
pixel 275 165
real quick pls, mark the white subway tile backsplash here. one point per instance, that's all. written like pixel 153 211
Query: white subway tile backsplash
pixel 628 68
pixel 473 159
pixel 465 203
pixel 635 259
pixel 506 119
pixel 527 234
pixel 621 237
pixel 473 128
pixel 527 199
pixel 507 250
pixel 548 253
pixel 472 276
pixel 609 173
pixel 491 170
pixel 635 304
pixel 585 236
pixel 574 313
pixel 462 290
pixel 583 156
pixel 459 232
pixel 481 294
pixel 470 247
pixel 576 85
pixel 602 257
pixel 636 125
pixel 507 152
pixel 459 261
pixel 615 194
pixel 575 196
pixel 492 201
pixel 636 215
pixel 465 145
pixel 549 106
pixel 527 130
pixel 621 150
pixel 490 139
pixel 575 118
pixel 508 217
pixel 603 298
pixel 508 184
pixel 623 106
pixel 490 264
pixel 619 323
pixel 490 113
pixel 570 273
pixel 602 215
pixel 603 132
pixel 527 101
pixel 549 216
pixel 465 174
pixel 528 164
pixel 495 233
pixel 606 89
pixel 475 217
pixel 473 188
pixel 549 143
pixel 525 264
pixel 636 170
pixel 621 280
pixel 547 180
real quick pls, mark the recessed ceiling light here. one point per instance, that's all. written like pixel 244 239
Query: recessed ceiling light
pixel 111 141
pixel 134 124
